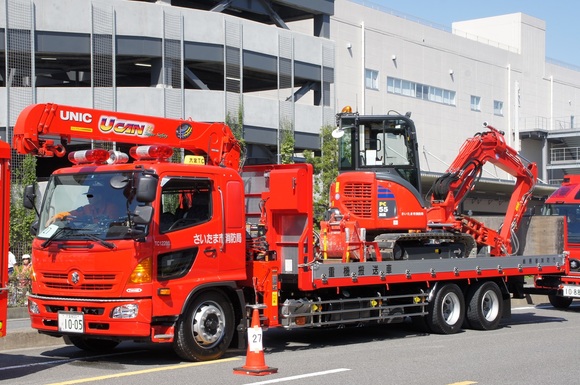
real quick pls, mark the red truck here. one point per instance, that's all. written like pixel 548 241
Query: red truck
pixel 565 201
pixel 194 243
pixel 5 154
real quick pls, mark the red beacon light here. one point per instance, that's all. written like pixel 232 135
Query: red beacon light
pixel 153 152
pixel 96 156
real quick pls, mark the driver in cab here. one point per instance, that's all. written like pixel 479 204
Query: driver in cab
pixel 97 207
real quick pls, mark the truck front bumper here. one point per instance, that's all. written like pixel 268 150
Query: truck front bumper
pixel 122 319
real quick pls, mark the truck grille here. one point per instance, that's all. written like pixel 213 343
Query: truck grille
pixel 66 286
pixel 358 199
pixel 90 282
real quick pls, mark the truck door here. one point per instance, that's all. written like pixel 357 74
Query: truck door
pixel 185 233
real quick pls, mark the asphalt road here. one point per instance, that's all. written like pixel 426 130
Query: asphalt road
pixel 537 346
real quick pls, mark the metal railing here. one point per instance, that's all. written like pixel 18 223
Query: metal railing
pixel 565 155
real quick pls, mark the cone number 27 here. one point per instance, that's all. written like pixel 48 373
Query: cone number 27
pixel 255 338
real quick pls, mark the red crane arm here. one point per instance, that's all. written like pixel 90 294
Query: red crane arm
pixel 451 188
pixel 38 125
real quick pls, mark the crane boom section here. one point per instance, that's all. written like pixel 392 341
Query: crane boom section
pixel 39 124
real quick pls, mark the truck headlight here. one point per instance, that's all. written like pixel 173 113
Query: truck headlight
pixel 33 307
pixel 126 311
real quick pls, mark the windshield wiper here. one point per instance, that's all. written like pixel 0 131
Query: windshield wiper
pixel 53 236
pixel 93 237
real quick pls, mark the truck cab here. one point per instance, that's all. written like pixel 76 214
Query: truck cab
pixel 121 272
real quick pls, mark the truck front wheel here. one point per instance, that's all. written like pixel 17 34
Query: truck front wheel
pixel 446 310
pixel 206 329
pixel 485 306
pixel 560 302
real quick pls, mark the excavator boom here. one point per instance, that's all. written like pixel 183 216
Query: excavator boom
pixel 451 188
pixel 39 124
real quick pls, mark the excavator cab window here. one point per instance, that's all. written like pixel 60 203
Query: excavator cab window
pixel 185 202
pixel 379 143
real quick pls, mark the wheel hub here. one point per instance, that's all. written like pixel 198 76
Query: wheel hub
pixel 208 324
pixel 451 308
pixel 490 306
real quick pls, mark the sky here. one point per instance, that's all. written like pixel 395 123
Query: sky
pixel 562 18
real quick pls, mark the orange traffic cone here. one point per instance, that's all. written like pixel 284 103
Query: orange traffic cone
pixel 255 362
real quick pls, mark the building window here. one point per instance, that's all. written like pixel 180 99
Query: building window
pixel 475 103
pixel 420 91
pixel 498 107
pixel 393 85
pixel 408 88
pixel 372 79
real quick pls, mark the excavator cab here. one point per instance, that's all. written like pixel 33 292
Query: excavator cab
pixel 381 143
pixel 379 180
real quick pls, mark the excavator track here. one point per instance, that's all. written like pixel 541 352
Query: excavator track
pixel 427 245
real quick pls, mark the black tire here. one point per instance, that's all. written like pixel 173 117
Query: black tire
pixel 446 310
pixel 484 306
pixel 560 302
pixel 205 331
pixel 93 344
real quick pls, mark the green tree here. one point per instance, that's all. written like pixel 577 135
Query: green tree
pixel 236 124
pixel 325 170
pixel 21 218
pixel 286 143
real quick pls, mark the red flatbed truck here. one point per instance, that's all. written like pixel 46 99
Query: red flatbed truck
pixel 196 242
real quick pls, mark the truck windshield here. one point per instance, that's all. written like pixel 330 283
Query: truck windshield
pixel 82 206
pixel 572 214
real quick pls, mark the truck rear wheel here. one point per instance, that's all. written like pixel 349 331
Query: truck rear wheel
pixel 485 306
pixel 446 310
pixel 206 329
pixel 560 302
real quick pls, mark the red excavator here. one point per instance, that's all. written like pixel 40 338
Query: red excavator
pixel 377 195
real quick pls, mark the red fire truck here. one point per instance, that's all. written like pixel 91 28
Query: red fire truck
pixel 565 201
pixel 4 232
pixel 175 252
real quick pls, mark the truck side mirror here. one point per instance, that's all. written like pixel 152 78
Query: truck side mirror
pixel 29 197
pixel 146 188
pixel 143 215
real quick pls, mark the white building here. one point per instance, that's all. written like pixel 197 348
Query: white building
pixel 486 70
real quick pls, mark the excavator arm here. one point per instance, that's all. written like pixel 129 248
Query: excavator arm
pixel 39 125
pixel 451 188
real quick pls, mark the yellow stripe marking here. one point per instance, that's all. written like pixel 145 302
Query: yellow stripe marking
pixel 463 383
pixel 138 372
pixel 81 129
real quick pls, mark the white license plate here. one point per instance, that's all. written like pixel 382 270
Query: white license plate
pixel 571 291
pixel 71 322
